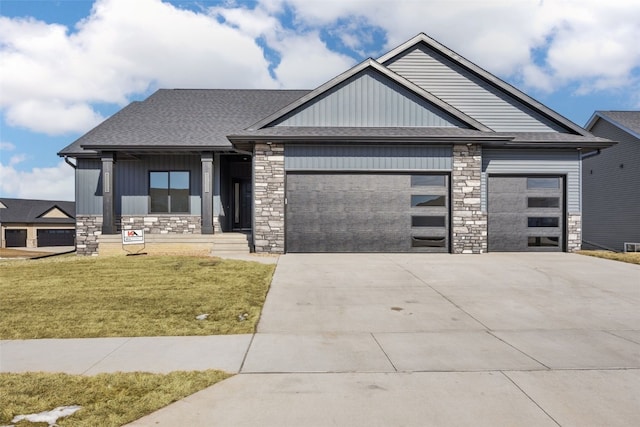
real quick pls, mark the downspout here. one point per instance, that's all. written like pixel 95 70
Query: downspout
pixel 67 161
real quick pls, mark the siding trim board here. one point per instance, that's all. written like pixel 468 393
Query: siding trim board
pixel 535 162
pixel 367 158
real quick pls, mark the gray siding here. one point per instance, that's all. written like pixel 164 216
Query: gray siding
pixel 367 158
pixel 132 181
pixel 370 100
pixel 532 162
pixel 88 187
pixel 468 93
pixel 611 194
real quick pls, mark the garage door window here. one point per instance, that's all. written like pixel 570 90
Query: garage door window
pixel 543 202
pixel 543 221
pixel 427 200
pixel 538 241
pixel 541 183
pixel 428 180
pixel 427 221
pixel 427 242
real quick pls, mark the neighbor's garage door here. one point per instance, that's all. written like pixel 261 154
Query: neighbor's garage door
pixel 15 238
pixel 526 213
pixel 53 237
pixel 351 212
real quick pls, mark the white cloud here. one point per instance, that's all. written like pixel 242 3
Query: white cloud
pixel 51 77
pixel 304 60
pixel 52 116
pixel 53 183
pixel 7 146
pixel 308 62
pixel 547 44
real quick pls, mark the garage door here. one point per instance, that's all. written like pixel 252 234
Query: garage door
pixel 367 212
pixel 53 237
pixel 15 238
pixel 526 213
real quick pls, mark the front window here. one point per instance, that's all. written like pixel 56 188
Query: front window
pixel 169 191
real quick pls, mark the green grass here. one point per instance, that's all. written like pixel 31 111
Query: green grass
pixel 630 257
pixel 77 297
pixel 106 399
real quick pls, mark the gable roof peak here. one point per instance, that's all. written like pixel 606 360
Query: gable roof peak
pixel 483 74
pixel 372 64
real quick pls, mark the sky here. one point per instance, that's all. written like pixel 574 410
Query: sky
pixel 67 65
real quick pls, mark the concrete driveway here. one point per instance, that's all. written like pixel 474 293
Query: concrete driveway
pixel 495 339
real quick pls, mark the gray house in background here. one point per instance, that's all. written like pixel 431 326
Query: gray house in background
pixel 28 223
pixel 418 151
pixel 611 182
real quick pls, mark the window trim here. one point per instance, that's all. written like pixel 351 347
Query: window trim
pixel 169 211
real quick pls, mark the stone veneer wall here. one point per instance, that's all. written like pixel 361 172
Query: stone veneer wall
pixel 88 229
pixel 574 232
pixel 268 163
pixel 469 223
pixel 164 224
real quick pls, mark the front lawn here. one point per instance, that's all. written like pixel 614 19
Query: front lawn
pixel 630 257
pixel 106 399
pixel 78 297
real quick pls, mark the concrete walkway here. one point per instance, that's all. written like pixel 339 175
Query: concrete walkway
pixel 366 340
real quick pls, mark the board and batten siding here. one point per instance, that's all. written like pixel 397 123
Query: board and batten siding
pixel 534 162
pixel 132 181
pixel 468 93
pixel 611 190
pixel 367 158
pixel 370 100
pixel 88 187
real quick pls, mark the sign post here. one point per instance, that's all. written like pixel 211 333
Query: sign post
pixel 133 237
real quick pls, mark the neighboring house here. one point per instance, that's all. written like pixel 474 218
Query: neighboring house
pixel 36 223
pixel 417 151
pixel 611 182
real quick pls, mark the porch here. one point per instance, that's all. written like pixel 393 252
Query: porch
pixel 179 244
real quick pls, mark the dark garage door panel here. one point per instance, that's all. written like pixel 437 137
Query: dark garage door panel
pixel 56 237
pixel 15 238
pixel 508 214
pixel 354 213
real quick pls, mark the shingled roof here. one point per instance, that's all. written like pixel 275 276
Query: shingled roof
pixel 32 211
pixel 629 121
pixel 198 119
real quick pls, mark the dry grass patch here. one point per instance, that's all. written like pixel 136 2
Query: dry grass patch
pixel 130 296
pixel 106 399
pixel 630 257
pixel 20 253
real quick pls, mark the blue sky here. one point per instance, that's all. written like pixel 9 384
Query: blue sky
pixel 66 65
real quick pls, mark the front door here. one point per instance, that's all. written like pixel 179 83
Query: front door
pixel 241 189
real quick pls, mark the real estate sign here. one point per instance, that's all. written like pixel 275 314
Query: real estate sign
pixel 133 237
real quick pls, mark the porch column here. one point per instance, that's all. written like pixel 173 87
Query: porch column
pixel 108 206
pixel 207 193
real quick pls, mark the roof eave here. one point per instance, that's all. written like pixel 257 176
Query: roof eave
pixel 143 148
pixel 447 139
